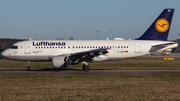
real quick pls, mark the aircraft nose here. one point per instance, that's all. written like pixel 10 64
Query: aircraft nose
pixel 4 54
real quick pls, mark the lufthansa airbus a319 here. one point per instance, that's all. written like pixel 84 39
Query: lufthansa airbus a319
pixel 63 53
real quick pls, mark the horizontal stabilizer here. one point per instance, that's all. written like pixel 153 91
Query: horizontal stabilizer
pixel 157 48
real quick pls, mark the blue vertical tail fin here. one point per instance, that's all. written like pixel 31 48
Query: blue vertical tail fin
pixel 159 29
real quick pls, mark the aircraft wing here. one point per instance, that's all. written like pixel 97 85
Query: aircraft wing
pixel 88 55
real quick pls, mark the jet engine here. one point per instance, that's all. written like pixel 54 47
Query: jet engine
pixel 58 61
pixel 61 61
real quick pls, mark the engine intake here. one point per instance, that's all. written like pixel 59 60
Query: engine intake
pixel 61 61
pixel 58 61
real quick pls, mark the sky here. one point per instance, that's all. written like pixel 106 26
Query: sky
pixel 80 19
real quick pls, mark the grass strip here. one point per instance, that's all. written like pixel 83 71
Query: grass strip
pixel 99 87
pixel 138 63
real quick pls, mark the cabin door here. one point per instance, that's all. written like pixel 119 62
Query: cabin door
pixel 27 48
pixel 137 47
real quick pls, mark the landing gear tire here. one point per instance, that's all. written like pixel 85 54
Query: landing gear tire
pixel 86 68
pixel 27 68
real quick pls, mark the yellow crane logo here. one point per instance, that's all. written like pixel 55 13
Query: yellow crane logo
pixel 162 25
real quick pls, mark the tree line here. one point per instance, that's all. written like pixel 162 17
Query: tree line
pixel 11 39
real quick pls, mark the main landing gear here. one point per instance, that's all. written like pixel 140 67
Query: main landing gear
pixel 28 66
pixel 85 66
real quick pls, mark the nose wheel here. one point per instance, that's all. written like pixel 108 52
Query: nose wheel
pixel 28 66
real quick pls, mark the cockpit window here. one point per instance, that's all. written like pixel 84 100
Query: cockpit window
pixel 13 47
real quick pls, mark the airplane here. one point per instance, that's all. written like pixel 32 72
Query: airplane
pixel 63 53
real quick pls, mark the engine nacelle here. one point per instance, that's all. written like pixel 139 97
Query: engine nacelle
pixel 58 61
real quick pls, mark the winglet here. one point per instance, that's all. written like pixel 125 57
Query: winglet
pixel 159 29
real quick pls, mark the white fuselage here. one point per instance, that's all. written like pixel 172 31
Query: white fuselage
pixel 44 50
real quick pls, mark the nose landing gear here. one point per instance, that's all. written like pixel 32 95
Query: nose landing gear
pixel 28 66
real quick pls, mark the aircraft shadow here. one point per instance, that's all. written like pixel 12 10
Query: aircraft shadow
pixel 54 69
pixel 66 69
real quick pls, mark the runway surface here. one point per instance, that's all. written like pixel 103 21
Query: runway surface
pixel 91 72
